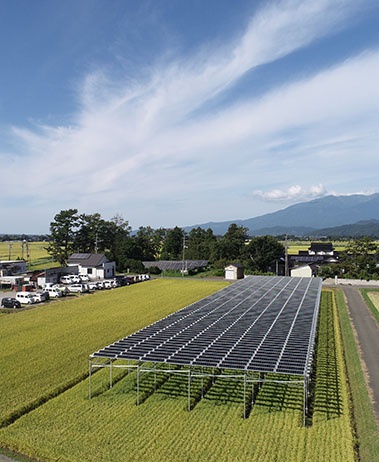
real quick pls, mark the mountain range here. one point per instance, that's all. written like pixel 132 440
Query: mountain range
pixel 354 215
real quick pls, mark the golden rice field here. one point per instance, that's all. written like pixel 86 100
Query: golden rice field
pixel 45 349
pixel 374 297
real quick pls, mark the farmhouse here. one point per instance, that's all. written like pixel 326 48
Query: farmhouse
pixel 306 262
pixel 95 265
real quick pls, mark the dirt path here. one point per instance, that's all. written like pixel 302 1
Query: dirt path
pixel 367 330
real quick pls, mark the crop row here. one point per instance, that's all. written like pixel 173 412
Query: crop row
pixel 45 350
pixel 110 427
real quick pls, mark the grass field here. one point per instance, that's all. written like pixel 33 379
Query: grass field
pixel 371 297
pixel 364 419
pixel 35 254
pixel 295 246
pixel 44 353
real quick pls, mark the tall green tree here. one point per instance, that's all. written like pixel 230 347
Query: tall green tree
pixel 150 242
pixel 200 244
pixel 232 244
pixel 63 235
pixel 360 258
pixel 91 236
pixel 262 254
pixel 116 235
pixel 173 244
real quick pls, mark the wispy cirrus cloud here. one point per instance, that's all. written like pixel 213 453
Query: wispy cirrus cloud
pixel 158 133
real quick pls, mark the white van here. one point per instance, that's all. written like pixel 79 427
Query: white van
pixel 53 292
pixel 26 298
pixel 65 279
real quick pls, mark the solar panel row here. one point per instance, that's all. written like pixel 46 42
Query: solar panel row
pixel 259 323
pixel 176 265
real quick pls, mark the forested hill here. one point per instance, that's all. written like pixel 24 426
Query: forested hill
pixel 307 217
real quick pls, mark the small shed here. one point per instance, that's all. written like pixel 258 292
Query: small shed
pixel 234 271
pixel 305 271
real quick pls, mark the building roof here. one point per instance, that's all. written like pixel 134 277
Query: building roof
pixel 87 259
pixel 321 247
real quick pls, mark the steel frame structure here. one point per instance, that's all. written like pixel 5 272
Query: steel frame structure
pixel 259 324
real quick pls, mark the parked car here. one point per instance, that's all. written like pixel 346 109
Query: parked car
pixel 54 292
pixel 61 288
pixel 10 302
pixel 25 298
pixel 41 296
pixel 75 279
pixel 108 284
pixel 65 279
pixel 92 285
pixel 77 288
pixel 84 277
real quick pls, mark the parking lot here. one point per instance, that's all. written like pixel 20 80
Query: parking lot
pixel 70 289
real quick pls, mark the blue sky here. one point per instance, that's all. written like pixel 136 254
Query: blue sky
pixel 177 112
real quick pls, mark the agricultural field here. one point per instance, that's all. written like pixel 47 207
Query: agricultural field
pixel 295 246
pixel 34 253
pixel 44 353
pixel 372 299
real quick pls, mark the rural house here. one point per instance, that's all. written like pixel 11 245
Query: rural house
pixel 95 265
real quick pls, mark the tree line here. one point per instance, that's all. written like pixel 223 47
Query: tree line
pixel 73 232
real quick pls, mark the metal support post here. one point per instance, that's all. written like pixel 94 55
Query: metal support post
pixel 155 378
pixel 305 404
pixel 189 389
pixel 90 378
pixel 244 396
pixel 138 373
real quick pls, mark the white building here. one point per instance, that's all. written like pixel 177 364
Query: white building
pixel 234 271
pixel 95 265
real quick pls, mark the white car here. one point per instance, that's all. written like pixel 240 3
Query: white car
pixel 61 288
pixel 84 277
pixel 108 284
pixel 65 279
pixel 54 292
pixel 40 296
pixel 75 279
pixel 25 298
pixel 92 285
pixel 76 288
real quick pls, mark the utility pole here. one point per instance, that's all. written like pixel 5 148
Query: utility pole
pixel 184 251
pixel 286 272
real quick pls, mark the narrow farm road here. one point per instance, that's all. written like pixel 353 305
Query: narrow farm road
pixel 367 330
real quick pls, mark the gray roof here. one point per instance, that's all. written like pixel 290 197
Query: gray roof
pixel 88 259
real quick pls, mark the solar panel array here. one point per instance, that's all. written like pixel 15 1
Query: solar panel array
pixel 176 265
pixel 258 323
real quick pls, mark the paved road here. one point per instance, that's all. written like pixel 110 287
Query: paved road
pixel 368 338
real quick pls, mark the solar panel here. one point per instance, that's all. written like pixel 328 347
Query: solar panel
pixel 176 265
pixel 259 323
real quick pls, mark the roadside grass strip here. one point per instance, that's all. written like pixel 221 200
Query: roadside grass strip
pixel 371 297
pixel 110 427
pixel 364 420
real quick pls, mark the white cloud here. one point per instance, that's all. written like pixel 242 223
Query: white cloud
pixel 293 193
pixel 134 139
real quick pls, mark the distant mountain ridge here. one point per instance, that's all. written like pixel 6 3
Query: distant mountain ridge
pixel 306 218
